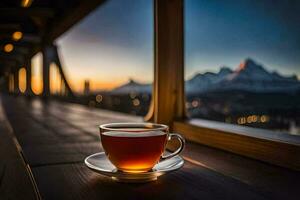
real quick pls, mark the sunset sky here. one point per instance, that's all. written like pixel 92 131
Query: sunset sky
pixel 111 45
pixel 115 42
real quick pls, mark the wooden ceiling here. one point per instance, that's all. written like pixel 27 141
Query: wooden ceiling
pixel 41 22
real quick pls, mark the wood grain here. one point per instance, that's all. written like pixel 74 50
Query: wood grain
pixel 55 140
pixel 15 180
pixel 274 152
pixel 168 88
pixel 274 182
pixel 77 182
pixel 69 17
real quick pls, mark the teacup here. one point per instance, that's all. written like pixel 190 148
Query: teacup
pixel 137 147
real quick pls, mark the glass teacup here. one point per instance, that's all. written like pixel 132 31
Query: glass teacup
pixel 137 147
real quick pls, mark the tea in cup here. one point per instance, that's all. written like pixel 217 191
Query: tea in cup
pixel 137 147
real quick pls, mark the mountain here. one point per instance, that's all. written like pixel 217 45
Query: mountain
pixel 249 76
pixel 202 82
pixel 132 86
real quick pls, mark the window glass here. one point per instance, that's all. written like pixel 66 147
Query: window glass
pixel 36 73
pixel 55 80
pixel 108 57
pixel 242 62
pixel 22 79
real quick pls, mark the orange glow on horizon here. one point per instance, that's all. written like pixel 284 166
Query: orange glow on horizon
pixel 78 84
pixel 104 85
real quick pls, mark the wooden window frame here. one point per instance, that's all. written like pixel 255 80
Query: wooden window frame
pixel 168 102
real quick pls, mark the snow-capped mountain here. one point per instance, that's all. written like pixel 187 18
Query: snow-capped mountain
pixel 202 82
pixel 249 76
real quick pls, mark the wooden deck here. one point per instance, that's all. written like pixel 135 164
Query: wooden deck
pixel 55 138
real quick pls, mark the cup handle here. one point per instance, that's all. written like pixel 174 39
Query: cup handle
pixel 181 147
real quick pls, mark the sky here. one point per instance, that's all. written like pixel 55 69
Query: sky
pixel 226 32
pixel 115 42
pixel 111 45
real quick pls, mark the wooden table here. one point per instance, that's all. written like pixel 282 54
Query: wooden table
pixel 55 138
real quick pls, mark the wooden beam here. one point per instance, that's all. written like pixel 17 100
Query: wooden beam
pixel 50 55
pixel 28 77
pixel 6 65
pixel 47 59
pixel 16 80
pixel 27 37
pixel 32 38
pixel 276 152
pixel 168 95
pixel 15 55
pixel 72 16
pixel 9 26
pixel 62 73
pixel 8 55
pixel 20 12
pixel 12 57
pixel 21 49
pixel 16 43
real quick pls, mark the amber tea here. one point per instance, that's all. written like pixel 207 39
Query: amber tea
pixel 136 147
pixel 137 151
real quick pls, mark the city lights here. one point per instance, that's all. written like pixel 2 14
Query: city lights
pixel 253 119
pixel 99 98
pixel 136 102
pixel 264 118
pixel 132 95
pixel 195 103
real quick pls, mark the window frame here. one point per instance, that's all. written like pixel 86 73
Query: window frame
pixel 168 98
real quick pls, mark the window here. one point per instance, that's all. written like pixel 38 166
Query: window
pixel 242 63
pixel 22 79
pixel 36 74
pixel 108 57
pixel 56 83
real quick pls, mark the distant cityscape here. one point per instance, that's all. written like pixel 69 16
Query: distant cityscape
pixel 249 95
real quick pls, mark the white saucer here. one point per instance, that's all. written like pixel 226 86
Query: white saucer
pixel 99 163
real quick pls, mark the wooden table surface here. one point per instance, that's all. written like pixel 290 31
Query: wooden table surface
pixel 55 138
